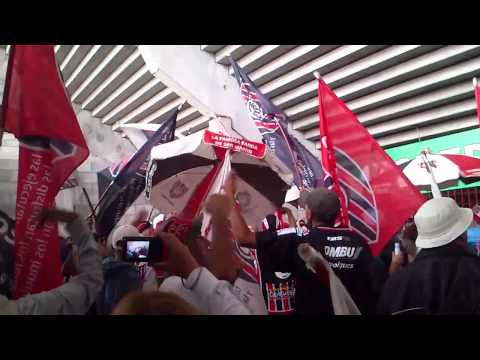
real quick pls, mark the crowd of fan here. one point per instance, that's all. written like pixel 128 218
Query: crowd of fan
pixel 427 268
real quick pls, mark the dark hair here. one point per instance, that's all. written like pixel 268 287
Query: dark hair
pixel 324 205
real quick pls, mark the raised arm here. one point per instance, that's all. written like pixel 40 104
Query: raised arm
pixel 77 296
pixel 240 229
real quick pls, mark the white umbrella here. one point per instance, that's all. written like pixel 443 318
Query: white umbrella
pixel 180 168
pixel 440 170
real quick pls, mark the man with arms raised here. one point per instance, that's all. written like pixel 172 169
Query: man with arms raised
pixel 348 255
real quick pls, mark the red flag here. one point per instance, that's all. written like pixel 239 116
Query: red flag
pixel 37 110
pixel 477 97
pixel 378 196
pixel 327 158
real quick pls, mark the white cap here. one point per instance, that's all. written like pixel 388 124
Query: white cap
pixel 440 221
pixel 123 231
pixel 292 194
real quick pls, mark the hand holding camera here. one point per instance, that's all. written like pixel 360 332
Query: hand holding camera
pixel 179 261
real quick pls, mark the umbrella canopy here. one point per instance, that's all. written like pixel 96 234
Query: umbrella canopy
pixel 179 168
pixel 447 169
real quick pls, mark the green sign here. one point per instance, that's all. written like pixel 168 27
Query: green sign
pixel 466 143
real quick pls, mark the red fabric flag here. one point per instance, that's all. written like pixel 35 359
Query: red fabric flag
pixel 378 196
pixel 37 110
pixel 327 158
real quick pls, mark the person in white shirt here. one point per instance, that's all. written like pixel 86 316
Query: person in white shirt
pixel 197 284
pixel 74 297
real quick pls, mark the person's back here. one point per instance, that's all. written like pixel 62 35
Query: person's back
pixel 120 279
pixel 441 280
pixel 444 277
pixel 351 259
pixel 348 255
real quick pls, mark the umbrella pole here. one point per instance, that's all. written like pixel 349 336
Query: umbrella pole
pixel 433 184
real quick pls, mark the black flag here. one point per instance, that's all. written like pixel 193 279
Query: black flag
pixel 129 181
pixel 272 124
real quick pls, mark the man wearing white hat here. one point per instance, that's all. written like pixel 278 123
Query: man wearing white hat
pixel 120 277
pixel 445 275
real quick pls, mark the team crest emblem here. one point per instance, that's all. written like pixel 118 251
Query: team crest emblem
pixel 178 190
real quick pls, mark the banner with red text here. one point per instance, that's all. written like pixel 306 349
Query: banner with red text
pixel 37 110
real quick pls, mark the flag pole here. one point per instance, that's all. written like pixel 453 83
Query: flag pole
pixel 476 91
pixel 433 183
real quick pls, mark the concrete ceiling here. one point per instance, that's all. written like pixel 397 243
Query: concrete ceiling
pixel 399 92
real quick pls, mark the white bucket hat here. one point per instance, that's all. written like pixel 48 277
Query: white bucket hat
pixel 440 221
pixel 121 232
pixel 292 194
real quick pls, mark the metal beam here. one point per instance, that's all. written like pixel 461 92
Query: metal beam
pixel 418 103
pixel 461 108
pixel 261 56
pixel 202 120
pixel 416 134
pixel 328 62
pixel 391 75
pixel 97 71
pixel 137 111
pixel 162 111
pixel 211 48
pixel 457 72
pixel 287 62
pixel 132 58
pixel 91 53
pixel 432 116
pixel 415 67
pixel 133 97
pixel 353 71
pixel 69 57
pixel 236 51
pixel 407 89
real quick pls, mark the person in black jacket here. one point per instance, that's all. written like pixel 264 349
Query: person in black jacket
pixel 348 254
pixel 444 278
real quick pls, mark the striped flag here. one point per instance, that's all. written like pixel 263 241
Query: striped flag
pixel 377 195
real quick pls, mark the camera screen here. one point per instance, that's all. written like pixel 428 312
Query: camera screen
pixel 137 250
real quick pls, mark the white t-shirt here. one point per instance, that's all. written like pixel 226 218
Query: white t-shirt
pixel 208 294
